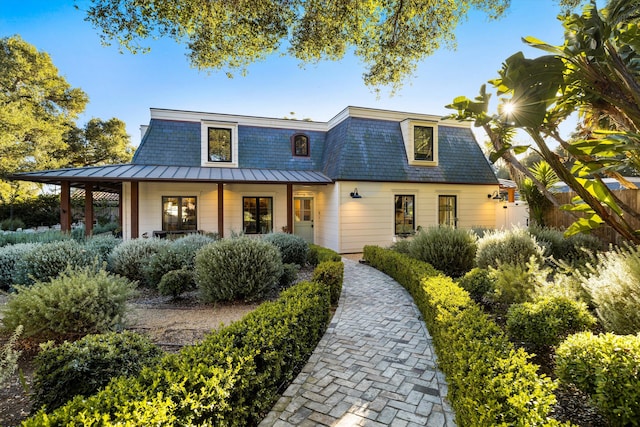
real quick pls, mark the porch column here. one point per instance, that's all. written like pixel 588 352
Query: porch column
pixel 88 209
pixel 135 230
pixel 221 209
pixel 290 208
pixel 120 199
pixel 65 207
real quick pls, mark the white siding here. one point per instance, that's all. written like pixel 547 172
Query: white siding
pixel 327 232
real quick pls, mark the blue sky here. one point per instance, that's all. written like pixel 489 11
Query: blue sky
pixel 126 85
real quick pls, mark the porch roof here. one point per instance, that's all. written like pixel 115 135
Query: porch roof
pixel 111 176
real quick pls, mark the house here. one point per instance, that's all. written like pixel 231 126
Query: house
pixel 366 176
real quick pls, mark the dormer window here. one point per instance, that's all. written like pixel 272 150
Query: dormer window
pixel 219 144
pixel 420 141
pixel 300 145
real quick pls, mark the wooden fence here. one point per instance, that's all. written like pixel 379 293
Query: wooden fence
pixel 560 219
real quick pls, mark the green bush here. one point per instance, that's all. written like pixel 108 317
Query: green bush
pixel 47 236
pixel 576 249
pixel 318 254
pixel 289 275
pixel 48 260
pixel 35 211
pixel 85 366
pixel 294 249
pixel 76 303
pixel 232 378
pixel 101 246
pixel 10 224
pixel 11 258
pixel 131 258
pixel 331 273
pixel 513 283
pixel 9 356
pixel 478 283
pixel 515 247
pixel 177 282
pixel 490 383
pixel 613 285
pixel 547 321
pixel 606 367
pixel 179 254
pixel 450 250
pixel 402 246
pixel 241 268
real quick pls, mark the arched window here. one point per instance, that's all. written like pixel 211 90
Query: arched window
pixel 300 145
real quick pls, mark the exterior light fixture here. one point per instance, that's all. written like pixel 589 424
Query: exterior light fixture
pixel 495 195
pixel 354 194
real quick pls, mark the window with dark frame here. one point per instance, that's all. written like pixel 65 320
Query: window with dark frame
pixel 300 145
pixel 404 214
pixel 179 213
pixel 423 143
pixel 257 215
pixel 219 145
pixel 447 207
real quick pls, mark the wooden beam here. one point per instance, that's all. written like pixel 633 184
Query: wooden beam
pixel 120 199
pixel 135 218
pixel 290 208
pixel 65 207
pixel 88 209
pixel 221 209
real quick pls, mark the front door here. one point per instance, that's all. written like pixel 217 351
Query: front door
pixel 303 218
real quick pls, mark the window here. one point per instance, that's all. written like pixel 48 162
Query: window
pixel 257 215
pixel 179 213
pixel 423 143
pixel 404 214
pixel 447 206
pixel 300 145
pixel 219 144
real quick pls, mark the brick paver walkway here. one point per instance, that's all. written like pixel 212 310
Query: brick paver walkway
pixel 375 365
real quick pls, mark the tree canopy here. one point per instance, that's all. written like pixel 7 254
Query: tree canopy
pixel 99 142
pixel 389 36
pixel 595 73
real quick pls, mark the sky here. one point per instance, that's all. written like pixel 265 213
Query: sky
pixel 126 86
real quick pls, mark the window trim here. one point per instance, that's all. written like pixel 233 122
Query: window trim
pixel 408 131
pixel 162 201
pixel 413 220
pixel 257 198
pixel 204 144
pixel 455 210
pixel 293 144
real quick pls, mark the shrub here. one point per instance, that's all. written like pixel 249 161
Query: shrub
pixel 48 260
pixel 607 368
pixel 515 247
pixel 547 321
pixel 11 224
pixel 231 378
pixel 85 366
pixel 576 249
pixel 9 356
pixel 293 249
pixel 176 282
pixel 614 288
pixel 101 246
pixel 318 254
pixel 513 283
pixel 11 257
pixel 289 275
pixel 478 283
pixel 131 258
pixel 39 237
pixel 240 268
pixel 179 254
pixel 76 303
pixel 331 273
pixel 450 250
pixel 402 246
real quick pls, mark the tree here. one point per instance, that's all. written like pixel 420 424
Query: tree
pixel 98 143
pixel 595 73
pixel 389 36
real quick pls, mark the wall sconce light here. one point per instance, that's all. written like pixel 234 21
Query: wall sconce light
pixel 495 195
pixel 355 195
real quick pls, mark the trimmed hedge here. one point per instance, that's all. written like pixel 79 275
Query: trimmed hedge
pixel 318 254
pixel 331 273
pixel 607 367
pixel 490 383
pixel 232 378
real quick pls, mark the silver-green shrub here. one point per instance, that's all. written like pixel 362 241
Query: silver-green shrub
pixel 48 260
pixel 76 303
pixel 515 247
pixel 132 257
pixel 177 255
pixel 99 247
pixel 293 249
pixel 613 285
pixel 10 263
pixel 241 268
pixel 176 282
pixel 9 356
pixel 450 250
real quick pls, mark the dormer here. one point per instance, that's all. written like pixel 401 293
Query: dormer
pixel 420 141
pixel 219 144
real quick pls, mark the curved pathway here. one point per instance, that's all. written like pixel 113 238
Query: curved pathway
pixel 375 365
